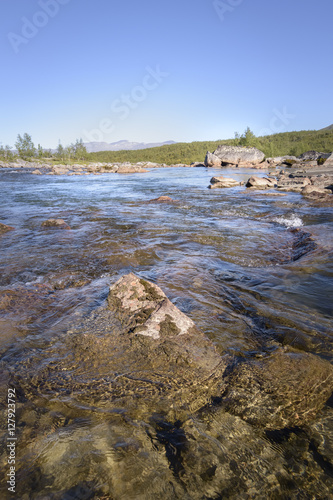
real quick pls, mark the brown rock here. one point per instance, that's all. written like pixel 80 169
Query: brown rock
pixel 4 228
pixel 223 182
pixel 311 191
pixel 260 183
pixel 130 170
pixel 284 389
pixel 56 223
pixel 294 182
pixel 162 199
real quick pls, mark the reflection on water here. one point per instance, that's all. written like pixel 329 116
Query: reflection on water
pixel 252 271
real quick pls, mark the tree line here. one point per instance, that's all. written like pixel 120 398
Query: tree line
pixel 286 143
pixel 26 150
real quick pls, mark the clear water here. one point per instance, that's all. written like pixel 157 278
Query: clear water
pixel 226 257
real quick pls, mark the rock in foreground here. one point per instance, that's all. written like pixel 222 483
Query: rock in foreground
pixel 143 356
pixel 175 359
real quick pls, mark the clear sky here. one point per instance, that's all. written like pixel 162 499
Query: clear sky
pixel 149 71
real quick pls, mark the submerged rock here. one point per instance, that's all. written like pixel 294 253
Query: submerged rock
pixel 141 355
pixel 162 199
pixel 56 223
pixel 4 228
pixel 284 389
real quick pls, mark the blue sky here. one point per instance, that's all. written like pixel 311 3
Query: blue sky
pixel 152 71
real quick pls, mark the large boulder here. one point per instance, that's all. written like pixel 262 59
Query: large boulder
pixel 260 182
pixel 223 182
pixel 312 156
pixel 329 161
pixel 211 160
pixel 237 154
pixel 141 356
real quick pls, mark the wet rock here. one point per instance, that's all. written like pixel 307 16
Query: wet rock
pixel 223 182
pixel 147 309
pixel 131 169
pixel 238 154
pixel 303 244
pixel 321 434
pixel 36 172
pixel 256 166
pixel 260 183
pixel 4 228
pixel 311 191
pixel 284 389
pixel 162 199
pixel 212 160
pixel 140 353
pixel 56 223
pixel 60 170
pixel 293 182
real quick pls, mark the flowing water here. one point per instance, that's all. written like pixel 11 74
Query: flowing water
pixel 253 270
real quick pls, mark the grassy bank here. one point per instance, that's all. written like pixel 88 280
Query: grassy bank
pixel 287 143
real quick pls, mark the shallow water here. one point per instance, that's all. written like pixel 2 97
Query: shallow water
pixel 252 270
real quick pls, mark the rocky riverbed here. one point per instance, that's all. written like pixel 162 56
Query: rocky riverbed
pixel 50 168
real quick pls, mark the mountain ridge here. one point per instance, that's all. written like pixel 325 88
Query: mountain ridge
pixel 123 145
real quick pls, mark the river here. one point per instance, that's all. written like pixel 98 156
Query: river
pixel 252 270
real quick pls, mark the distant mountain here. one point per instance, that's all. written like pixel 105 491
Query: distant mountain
pixel 94 147
pixel 330 127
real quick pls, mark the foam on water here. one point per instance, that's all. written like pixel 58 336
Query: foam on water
pixel 289 221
